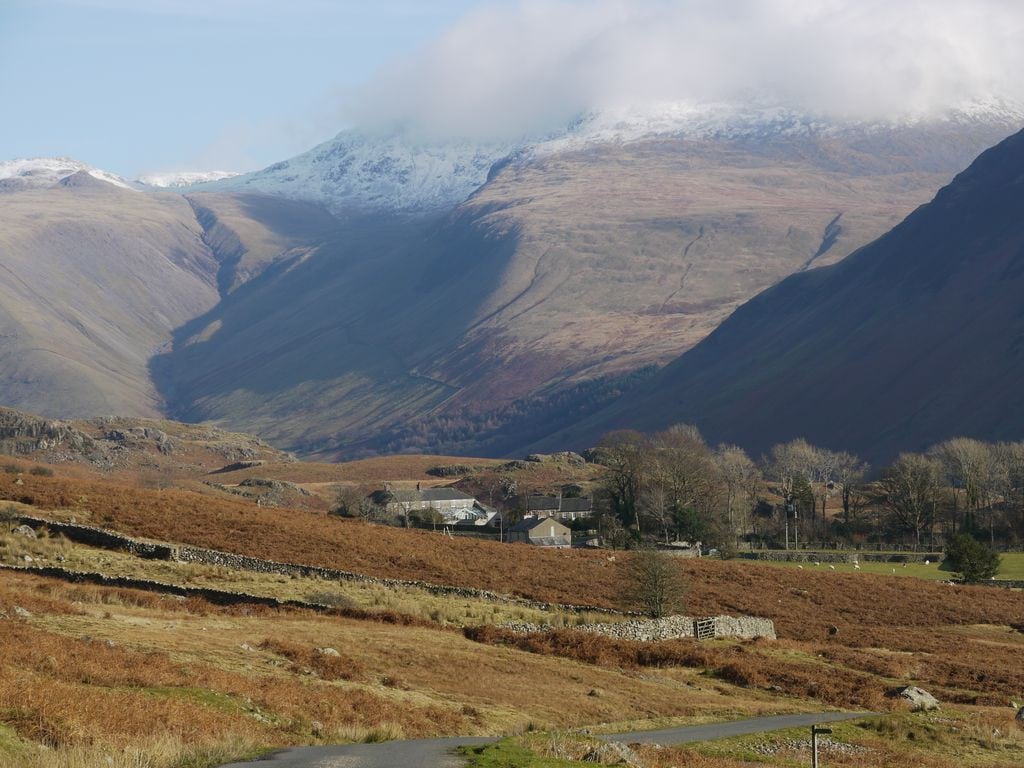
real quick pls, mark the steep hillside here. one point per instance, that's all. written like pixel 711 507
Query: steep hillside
pixel 95 278
pixel 915 338
pixel 550 291
pixel 357 310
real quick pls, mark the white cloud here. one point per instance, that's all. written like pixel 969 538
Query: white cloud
pixel 511 69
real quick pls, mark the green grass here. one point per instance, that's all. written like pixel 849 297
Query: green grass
pixel 10 743
pixel 207 698
pixel 508 754
pixel 1011 567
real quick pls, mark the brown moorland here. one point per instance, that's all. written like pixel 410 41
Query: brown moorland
pixel 803 605
pixel 97 675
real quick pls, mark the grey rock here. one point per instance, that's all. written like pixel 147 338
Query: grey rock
pixel 612 753
pixel 24 530
pixel 920 700
pixel 327 652
pixel 668 628
pixel 20 612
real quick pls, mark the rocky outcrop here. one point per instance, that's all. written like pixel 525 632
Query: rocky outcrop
pixel 135 436
pixel 23 434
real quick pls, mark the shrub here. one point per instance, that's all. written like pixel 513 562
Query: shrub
pixel 653 583
pixel 41 471
pixel 972 559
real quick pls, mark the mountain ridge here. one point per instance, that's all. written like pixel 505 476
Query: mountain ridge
pixel 911 339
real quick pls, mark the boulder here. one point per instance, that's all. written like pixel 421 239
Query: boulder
pixel 612 753
pixel 24 530
pixel 327 652
pixel 20 612
pixel 920 700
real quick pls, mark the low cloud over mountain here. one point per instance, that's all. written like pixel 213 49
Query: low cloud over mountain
pixel 510 70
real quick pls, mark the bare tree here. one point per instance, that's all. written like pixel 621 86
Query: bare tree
pixel 351 502
pixel 683 463
pixel 910 490
pixel 625 455
pixel 850 472
pixel 653 583
pixel 1011 478
pixel 742 481
pixel 656 507
pixel 792 466
pixel 972 468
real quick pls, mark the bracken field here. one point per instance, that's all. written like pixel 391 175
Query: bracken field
pixel 91 673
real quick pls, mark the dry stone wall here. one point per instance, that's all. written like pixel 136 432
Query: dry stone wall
pixel 100 537
pixel 668 628
pixel 214 596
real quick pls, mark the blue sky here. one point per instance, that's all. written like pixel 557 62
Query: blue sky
pixel 146 85
pixel 138 86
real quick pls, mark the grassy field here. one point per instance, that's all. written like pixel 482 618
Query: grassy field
pixel 1011 567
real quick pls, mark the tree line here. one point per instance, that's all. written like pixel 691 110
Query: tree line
pixel 672 485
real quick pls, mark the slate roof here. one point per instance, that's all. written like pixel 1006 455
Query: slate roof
pixel 431 494
pixel 556 504
pixel 577 505
pixel 542 503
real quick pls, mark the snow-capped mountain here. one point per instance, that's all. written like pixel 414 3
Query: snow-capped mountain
pixel 398 172
pixel 39 172
pixel 362 171
pixel 182 179
pixel 730 121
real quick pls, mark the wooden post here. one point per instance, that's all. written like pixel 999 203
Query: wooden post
pixel 815 730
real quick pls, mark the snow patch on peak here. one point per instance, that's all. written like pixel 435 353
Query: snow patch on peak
pixel 396 172
pixel 731 121
pixel 182 179
pixel 42 172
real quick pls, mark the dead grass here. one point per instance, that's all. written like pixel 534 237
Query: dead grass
pixel 804 605
pixel 954 641
pixel 95 671
pixel 746 665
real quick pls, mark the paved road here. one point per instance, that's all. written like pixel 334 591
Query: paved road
pixel 440 753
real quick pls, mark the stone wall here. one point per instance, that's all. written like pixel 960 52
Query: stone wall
pixel 100 537
pixel 668 628
pixel 215 596
pixel 1005 583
